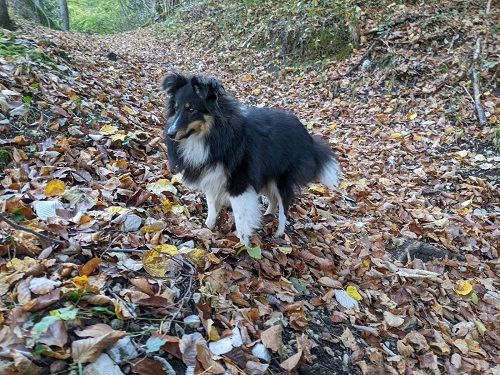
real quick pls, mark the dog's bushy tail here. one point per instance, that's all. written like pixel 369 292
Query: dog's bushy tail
pixel 328 166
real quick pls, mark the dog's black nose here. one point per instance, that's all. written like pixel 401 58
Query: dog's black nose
pixel 171 134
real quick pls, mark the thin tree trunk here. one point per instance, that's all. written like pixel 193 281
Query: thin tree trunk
pixel 5 21
pixel 63 6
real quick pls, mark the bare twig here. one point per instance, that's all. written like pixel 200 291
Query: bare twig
pixel 409 18
pixel 424 251
pixel 358 64
pixel 412 273
pixel 15 225
pixel 475 84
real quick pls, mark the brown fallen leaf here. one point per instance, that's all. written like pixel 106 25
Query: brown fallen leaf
pixel 43 301
pixel 90 267
pixel 147 366
pixel 205 357
pixel 88 350
pixel 292 362
pixel 95 330
pixel 56 335
pixel 271 337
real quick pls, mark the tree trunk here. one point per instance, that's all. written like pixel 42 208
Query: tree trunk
pixel 63 6
pixel 5 21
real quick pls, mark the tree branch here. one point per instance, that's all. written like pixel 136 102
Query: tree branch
pixel 475 84
pixel 15 225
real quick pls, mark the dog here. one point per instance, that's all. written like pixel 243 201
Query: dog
pixel 233 153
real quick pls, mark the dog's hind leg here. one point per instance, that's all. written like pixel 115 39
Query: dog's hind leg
pixel 272 194
pixel 281 218
pixel 246 212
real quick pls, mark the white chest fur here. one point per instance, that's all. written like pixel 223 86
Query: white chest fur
pixel 194 150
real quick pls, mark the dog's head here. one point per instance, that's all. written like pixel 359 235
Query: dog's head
pixel 191 105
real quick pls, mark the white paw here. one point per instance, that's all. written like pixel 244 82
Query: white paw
pixel 245 240
pixel 210 222
pixel 279 233
pixel 269 211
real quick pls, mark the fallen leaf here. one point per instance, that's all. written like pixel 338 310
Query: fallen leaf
pixel 54 188
pixel 88 350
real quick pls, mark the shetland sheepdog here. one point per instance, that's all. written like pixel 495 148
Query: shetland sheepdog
pixel 233 153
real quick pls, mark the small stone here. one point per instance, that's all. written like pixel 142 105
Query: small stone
pixel 192 321
pixel 117 324
pixel 123 350
pixel 261 352
pixel 76 132
pixel 103 365
pixel 132 223
pixel 196 298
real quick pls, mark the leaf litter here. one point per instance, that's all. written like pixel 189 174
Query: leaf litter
pixel 88 167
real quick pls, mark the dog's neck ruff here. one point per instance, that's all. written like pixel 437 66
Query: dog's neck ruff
pixel 194 151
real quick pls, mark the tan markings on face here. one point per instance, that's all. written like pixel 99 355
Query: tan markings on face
pixel 187 105
pixel 199 126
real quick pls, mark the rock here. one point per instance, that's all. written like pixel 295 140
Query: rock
pixel 196 298
pixel 132 223
pixel 117 324
pixel 123 350
pixel 76 132
pixel 103 365
pixel 192 321
pixel 261 352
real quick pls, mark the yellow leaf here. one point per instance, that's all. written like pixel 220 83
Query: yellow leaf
pixel 344 184
pixel 115 210
pixel 411 115
pixel 160 186
pixel 442 222
pixel 417 137
pixel 108 129
pixel 166 206
pixel 396 136
pixel 381 117
pixel 352 291
pixel 177 209
pixel 366 263
pixel 156 261
pixel 55 187
pixel 129 110
pixel 176 179
pixel 317 189
pixel 332 126
pixel 285 250
pixel 168 249
pixel 80 281
pixel 119 136
pixel 213 335
pixel 122 163
pixel 257 91
pixel 155 227
pixel 197 256
pixel 463 287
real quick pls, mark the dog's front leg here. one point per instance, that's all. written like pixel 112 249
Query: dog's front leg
pixel 246 212
pixel 214 206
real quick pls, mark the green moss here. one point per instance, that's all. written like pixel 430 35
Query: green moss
pixel 4 158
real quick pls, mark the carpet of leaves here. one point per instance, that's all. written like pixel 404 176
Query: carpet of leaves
pixel 119 274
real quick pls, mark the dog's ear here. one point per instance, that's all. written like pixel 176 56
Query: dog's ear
pixel 173 82
pixel 208 89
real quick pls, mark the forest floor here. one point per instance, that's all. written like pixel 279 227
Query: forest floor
pixel 105 258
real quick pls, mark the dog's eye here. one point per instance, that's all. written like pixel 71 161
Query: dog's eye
pixel 190 109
